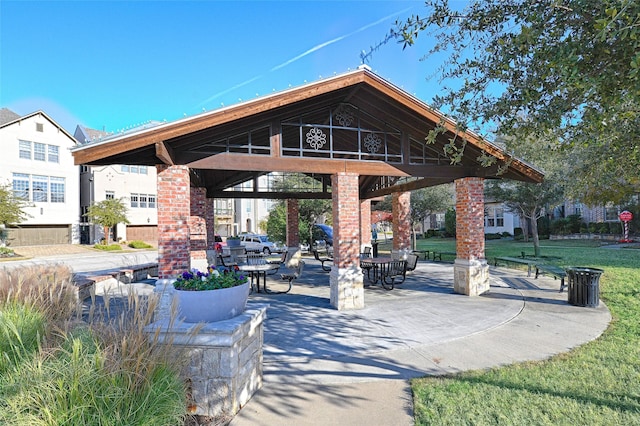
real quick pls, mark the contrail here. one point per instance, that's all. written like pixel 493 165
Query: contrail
pixel 307 52
pixel 327 43
pixel 224 92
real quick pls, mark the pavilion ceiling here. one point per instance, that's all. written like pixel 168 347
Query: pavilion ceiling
pixel 356 123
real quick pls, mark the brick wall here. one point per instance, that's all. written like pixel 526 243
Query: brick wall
pixel 365 222
pixel 346 219
pixel 173 220
pixel 198 224
pixel 470 218
pixel 401 205
pixel 293 232
pixel 210 223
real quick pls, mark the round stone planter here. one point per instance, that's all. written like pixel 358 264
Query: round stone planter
pixel 212 305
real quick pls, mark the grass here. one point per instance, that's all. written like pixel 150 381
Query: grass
pixel 596 384
pixel 59 369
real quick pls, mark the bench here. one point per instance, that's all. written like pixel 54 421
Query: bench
pixel 289 276
pixel 395 270
pixel 323 260
pixel 555 271
pixel 517 260
pixel 439 254
pixel 425 253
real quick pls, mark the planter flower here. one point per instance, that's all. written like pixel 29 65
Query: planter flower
pixel 215 295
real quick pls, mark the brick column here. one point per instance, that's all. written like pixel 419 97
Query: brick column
pixel 198 228
pixel 401 205
pixel 210 223
pixel 293 232
pixel 173 220
pixel 346 279
pixel 365 223
pixel 471 272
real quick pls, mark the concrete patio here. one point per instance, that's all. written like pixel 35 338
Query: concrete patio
pixel 323 366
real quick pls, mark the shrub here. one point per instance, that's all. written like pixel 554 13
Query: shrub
pixel 59 370
pixel 492 236
pixel 21 330
pixel 450 223
pixel 517 232
pixel 574 222
pixel 110 247
pixel 137 244
pixel 6 252
pixel 505 234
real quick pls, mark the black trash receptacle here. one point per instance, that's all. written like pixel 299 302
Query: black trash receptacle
pixel 375 248
pixel 584 286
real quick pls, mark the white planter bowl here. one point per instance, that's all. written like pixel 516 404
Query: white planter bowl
pixel 212 305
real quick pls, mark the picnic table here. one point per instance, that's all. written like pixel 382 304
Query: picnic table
pixel 385 269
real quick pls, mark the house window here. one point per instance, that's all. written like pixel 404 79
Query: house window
pixel 499 216
pixel 134 200
pixel 133 169
pixel 57 189
pixel 143 201
pixel 39 127
pixel 494 217
pixel 152 201
pixel 54 156
pixel 143 170
pixel 40 184
pixel 21 186
pixel 25 149
pixel 109 195
pixel 124 168
pixel 39 151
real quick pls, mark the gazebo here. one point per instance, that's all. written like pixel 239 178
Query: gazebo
pixel 358 135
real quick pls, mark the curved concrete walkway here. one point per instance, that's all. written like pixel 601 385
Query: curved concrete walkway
pixel 324 367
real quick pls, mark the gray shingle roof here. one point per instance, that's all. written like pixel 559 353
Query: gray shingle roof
pixel 7 116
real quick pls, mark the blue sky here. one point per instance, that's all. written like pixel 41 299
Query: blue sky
pixel 110 65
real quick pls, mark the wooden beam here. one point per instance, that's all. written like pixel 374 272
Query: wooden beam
pixel 403 187
pixel 214 193
pixel 165 153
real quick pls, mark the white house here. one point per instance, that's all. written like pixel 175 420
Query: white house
pixel 36 162
pixel 135 185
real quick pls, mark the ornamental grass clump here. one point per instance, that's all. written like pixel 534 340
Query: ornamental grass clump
pixel 214 278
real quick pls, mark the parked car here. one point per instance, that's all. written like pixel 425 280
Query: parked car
pixel 322 234
pixel 218 243
pixel 260 243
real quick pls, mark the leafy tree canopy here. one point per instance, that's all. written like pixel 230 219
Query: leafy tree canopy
pixel 527 69
pixel 11 207
pixel 108 213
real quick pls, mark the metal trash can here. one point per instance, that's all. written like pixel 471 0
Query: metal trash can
pixel 375 248
pixel 584 286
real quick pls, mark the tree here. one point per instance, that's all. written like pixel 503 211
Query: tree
pixel 108 213
pixel 527 69
pixel 424 202
pixel 528 199
pixel 310 210
pixel 11 211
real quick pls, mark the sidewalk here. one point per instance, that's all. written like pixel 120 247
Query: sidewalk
pixel 325 367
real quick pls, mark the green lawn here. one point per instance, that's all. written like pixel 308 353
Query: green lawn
pixel 596 384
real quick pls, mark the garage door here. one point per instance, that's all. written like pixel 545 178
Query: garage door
pixel 39 235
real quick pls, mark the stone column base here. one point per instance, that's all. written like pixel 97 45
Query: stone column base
pixel 471 277
pixel 224 367
pixel 347 288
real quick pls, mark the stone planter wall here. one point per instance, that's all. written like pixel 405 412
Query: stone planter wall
pixel 224 366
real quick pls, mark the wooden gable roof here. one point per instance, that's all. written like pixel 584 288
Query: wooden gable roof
pixel 355 122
